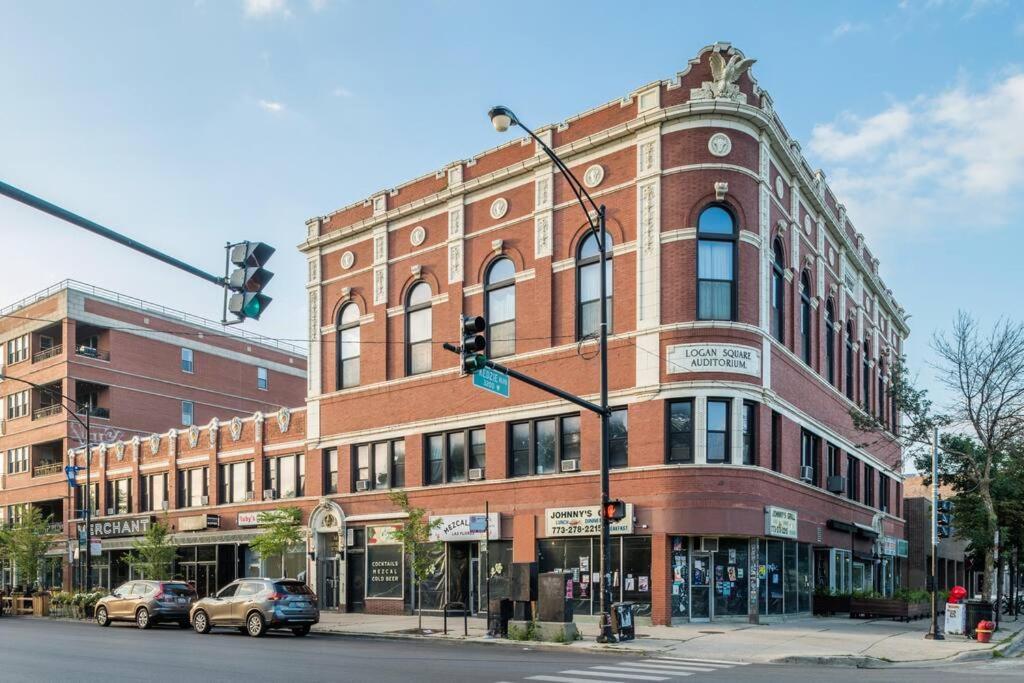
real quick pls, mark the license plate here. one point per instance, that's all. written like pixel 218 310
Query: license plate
pixel 182 601
pixel 302 605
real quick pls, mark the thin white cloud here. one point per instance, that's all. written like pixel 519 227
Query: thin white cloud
pixel 266 8
pixel 848 27
pixel 318 5
pixel 271 106
pixel 955 157
pixel 341 92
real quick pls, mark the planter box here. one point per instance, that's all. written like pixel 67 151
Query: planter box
pixel 41 605
pixel 888 608
pixel 827 605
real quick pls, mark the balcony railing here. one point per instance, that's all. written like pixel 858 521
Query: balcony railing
pixel 94 412
pixel 47 469
pixel 55 527
pixel 48 353
pixel 46 411
pixel 92 352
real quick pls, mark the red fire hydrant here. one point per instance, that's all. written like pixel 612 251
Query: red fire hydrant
pixel 984 631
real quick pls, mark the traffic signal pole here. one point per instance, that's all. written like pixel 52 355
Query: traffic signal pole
pixel 933 631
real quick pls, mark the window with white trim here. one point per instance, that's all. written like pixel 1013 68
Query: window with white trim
pixel 17 405
pixel 262 379
pixel 187 361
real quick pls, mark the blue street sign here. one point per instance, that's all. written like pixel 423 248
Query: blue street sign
pixel 491 380
pixel 70 471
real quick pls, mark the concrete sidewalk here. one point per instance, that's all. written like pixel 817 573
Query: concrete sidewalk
pixel 819 640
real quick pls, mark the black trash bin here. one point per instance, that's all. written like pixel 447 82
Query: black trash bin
pixel 501 614
pixel 976 610
pixel 622 620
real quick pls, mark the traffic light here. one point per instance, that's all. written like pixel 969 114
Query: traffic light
pixel 471 349
pixel 614 510
pixel 944 518
pixel 248 279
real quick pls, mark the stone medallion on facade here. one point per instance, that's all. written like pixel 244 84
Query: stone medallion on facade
pixel 348 259
pixel 418 235
pixel 593 176
pixel 720 145
pixel 235 428
pixel 499 207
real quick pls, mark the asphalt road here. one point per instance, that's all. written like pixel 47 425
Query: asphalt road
pixel 44 650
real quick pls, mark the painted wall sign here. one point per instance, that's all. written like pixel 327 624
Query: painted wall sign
pixel 744 360
pixel 583 521
pixel 461 527
pixel 129 526
pixel 780 522
pixel 381 535
pixel 384 571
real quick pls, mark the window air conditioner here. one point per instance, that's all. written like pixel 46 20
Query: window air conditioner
pixel 476 473
pixel 110 511
pixel 363 485
pixel 806 473
pixel 836 484
pixel 204 500
pixel 709 544
pixel 164 506
pixel 269 494
pixel 250 495
pixel 570 465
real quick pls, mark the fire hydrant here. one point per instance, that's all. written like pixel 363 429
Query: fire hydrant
pixel 984 631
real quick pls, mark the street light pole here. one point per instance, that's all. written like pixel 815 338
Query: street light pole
pixel 502 118
pixel 933 631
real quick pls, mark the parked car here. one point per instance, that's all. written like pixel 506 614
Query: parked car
pixel 147 603
pixel 257 605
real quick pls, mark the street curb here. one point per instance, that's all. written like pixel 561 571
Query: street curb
pixel 1015 643
pixel 857 661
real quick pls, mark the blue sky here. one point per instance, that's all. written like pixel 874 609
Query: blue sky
pixel 187 124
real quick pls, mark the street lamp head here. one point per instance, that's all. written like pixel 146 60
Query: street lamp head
pixel 501 118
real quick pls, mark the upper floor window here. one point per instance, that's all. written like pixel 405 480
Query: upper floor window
pixel 119 496
pixel 869 485
pixel 852 465
pixel 778 292
pixel 17 405
pixel 588 286
pixel 718 430
pixel 880 397
pixel 285 476
pixel 716 263
pixel 883 493
pixel 776 437
pixel 331 471
pixel 380 465
pixel 154 492
pixel 830 342
pixel 866 382
pixel 262 379
pixel 17 460
pixel 187 358
pixel 808 457
pixel 188 411
pixel 456 456
pixel 94 500
pixel 749 433
pixel 17 349
pixel 236 481
pixel 618 438
pixel 193 487
pixel 805 318
pixel 850 391
pixel 349 348
pixel 545 446
pixel 418 329
pixel 834 465
pixel 680 431
pixel 500 311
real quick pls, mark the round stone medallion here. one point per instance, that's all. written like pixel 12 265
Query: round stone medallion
pixel 720 144
pixel 347 260
pixel 418 234
pixel 499 207
pixel 780 187
pixel 593 176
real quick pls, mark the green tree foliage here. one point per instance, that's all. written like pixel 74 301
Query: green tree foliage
pixel 419 550
pixel 282 529
pixel 27 542
pixel 153 554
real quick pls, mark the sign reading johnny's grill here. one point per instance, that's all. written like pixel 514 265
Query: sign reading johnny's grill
pixel 129 526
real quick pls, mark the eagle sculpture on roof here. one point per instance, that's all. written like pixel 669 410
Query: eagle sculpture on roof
pixel 725 74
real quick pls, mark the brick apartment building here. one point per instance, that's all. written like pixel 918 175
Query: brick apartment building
pixel 747 320
pixel 954 562
pixel 139 367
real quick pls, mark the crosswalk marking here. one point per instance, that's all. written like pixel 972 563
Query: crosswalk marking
pixel 614 672
pixel 563 679
pixel 674 667
pixel 688 662
pixel 646 670
pixel 703 661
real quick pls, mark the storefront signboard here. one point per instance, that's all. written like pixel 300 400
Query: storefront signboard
pixel 583 521
pixel 193 522
pixel 902 547
pixel 128 526
pixel 246 519
pixel 96 548
pixel 744 360
pixel 455 528
pixel 384 571
pixel 888 544
pixel 381 535
pixel 780 522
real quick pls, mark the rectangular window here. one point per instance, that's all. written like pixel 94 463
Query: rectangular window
pixel 618 438
pixel 850 389
pixel 285 475
pixel 262 379
pixel 17 405
pixel 749 433
pixel 119 496
pixel 714 279
pixel 380 465
pixel 680 431
pixel 154 492
pixel 187 413
pixel 187 364
pixel 330 471
pixel 450 460
pixel 718 430
pixel 851 476
pixel 17 460
pixel 541 446
pixel 236 482
pixel 193 487
pixel 834 465
pixel 869 485
pixel 883 493
pixel 17 349
pixel 94 498
pixel 776 437
pixel 808 468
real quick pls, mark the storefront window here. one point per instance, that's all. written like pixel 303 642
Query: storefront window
pixel 803 569
pixel 570 556
pixel 384 571
pixel 630 569
pixel 636 573
pixel 680 594
pixel 730 562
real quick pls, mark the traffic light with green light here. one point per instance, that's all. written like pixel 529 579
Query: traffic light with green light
pixel 248 279
pixel 471 351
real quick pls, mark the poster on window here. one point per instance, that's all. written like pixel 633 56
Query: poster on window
pixel 384 571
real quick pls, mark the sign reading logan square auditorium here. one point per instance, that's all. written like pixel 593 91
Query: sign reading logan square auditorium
pixel 744 360
pixel 129 526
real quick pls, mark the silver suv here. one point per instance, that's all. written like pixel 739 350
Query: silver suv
pixel 256 605
pixel 147 603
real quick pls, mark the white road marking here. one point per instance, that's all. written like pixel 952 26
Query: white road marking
pixel 563 679
pixel 614 673
pixel 702 661
pixel 673 667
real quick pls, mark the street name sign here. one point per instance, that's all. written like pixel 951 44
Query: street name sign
pixel 491 380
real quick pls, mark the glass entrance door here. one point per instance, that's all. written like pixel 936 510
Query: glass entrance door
pixel 327 583
pixel 203 575
pixel 700 587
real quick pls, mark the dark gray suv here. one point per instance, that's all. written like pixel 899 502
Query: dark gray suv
pixel 256 605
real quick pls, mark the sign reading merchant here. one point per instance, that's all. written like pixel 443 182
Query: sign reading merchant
pixel 111 528
pixel 584 521
pixel 744 360
pixel 780 522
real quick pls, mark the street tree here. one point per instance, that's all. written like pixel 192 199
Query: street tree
pixel 282 529
pixel 27 543
pixel 153 554
pixel 418 548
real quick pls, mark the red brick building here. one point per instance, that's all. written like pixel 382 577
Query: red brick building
pixel 140 366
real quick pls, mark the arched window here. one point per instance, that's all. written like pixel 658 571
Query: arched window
pixel 778 292
pixel 866 382
pixel 805 317
pixel 850 392
pixel 418 324
pixel 500 311
pixel 830 343
pixel 716 264
pixel 348 348
pixel 588 286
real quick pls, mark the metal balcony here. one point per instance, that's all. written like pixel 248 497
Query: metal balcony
pixel 48 353
pixel 47 469
pixel 46 411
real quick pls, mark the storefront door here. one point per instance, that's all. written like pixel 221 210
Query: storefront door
pixel 700 587
pixel 355 572
pixel 327 582
pixel 458 573
pixel 203 575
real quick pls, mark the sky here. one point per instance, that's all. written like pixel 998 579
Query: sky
pixel 192 123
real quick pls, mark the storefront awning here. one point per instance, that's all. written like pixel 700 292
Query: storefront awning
pixel 861 530
pixel 188 538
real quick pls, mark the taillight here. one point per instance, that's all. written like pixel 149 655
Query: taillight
pixel 275 596
pixel 159 595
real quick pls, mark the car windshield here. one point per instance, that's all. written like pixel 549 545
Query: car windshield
pixel 292 588
pixel 177 589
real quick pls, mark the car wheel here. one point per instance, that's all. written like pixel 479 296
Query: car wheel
pixel 201 622
pixel 301 631
pixel 101 617
pixel 254 625
pixel 142 618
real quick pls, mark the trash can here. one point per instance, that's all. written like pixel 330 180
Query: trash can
pixel 622 620
pixel 977 610
pixel 501 614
